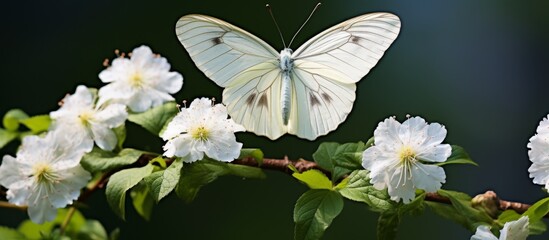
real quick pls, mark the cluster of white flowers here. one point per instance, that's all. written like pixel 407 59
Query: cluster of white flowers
pixel 399 158
pixel 46 174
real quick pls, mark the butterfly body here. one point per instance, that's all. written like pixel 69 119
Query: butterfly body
pixel 286 67
pixel 307 92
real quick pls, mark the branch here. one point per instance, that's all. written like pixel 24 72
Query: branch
pixel 489 200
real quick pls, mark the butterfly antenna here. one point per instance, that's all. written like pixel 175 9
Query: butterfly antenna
pixel 276 24
pixel 310 15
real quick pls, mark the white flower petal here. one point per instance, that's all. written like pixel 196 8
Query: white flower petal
pixel 112 116
pixel 104 137
pixel 515 230
pixel 413 131
pixel 41 211
pixel 483 233
pixel 400 186
pixel 435 153
pixel 386 133
pixel 428 177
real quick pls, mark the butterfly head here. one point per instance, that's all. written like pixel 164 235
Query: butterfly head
pixel 286 61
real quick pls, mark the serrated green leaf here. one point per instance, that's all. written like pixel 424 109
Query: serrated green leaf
pixel 314 212
pixel 163 182
pixel 37 124
pixel 458 156
pixel 6 137
pixel 359 189
pixel 120 182
pixel 194 176
pixel 315 179
pixel 99 160
pixel 12 234
pixel 155 118
pixel 340 159
pixel 11 119
pixel 32 230
pixel 465 213
pixel 254 153
pixel 92 230
pixel 387 225
pixel 142 201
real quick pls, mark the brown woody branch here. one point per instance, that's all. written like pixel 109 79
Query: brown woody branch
pixel 487 200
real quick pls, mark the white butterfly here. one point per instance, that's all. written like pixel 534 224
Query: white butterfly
pixel 308 92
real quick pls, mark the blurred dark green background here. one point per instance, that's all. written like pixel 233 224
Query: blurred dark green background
pixel 478 67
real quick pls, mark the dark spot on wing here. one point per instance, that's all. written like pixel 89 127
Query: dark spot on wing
pixel 217 40
pixel 314 100
pixel 326 97
pixel 263 101
pixel 355 39
pixel 250 99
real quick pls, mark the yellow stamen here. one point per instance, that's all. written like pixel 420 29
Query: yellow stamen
pixel 200 133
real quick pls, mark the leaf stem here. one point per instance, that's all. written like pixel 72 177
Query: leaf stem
pixel 67 220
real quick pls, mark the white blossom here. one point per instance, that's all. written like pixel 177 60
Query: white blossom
pixel 539 154
pixel 397 160
pixel 141 82
pixel 82 119
pixel 45 174
pixel 514 230
pixel 200 129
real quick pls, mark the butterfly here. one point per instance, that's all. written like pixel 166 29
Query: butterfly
pixel 307 92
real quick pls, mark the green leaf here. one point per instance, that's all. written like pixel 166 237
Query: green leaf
pixel 195 175
pixel 115 234
pixel 163 182
pixel 387 225
pixel 314 212
pixel 92 230
pixel 254 153
pixel 537 210
pixel 12 118
pixel 461 211
pixel 99 160
pixel 315 179
pixel 37 124
pixel 120 182
pixel 155 118
pixel 359 189
pixel 142 200
pixel 339 159
pixel 12 234
pixel 6 137
pixel 120 132
pixel 415 207
pixel 32 230
pixel 458 156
